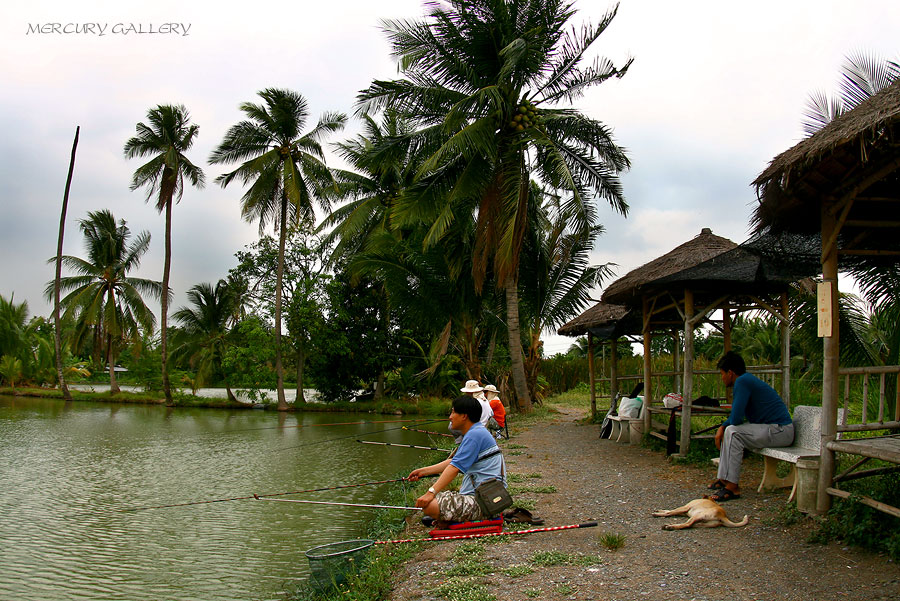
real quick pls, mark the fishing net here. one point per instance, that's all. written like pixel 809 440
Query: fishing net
pixel 331 564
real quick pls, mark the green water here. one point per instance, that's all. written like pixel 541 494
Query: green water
pixel 68 470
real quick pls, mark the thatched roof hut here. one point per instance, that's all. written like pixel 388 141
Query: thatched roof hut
pixel 852 163
pixel 629 289
pixel 605 321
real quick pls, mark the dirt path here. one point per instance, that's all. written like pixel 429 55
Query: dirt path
pixel 619 486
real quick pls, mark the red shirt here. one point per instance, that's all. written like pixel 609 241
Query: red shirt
pixel 499 411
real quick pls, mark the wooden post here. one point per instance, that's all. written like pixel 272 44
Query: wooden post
pixel 831 363
pixel 688 371
pixel 785 351
pixel 676 361
pixel 726 338
pixel 613 371
pixel 648 366
pixel 591 375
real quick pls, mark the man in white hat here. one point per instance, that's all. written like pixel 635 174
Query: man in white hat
pixel 474 389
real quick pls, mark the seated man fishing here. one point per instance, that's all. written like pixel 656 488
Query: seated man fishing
pixel 478 457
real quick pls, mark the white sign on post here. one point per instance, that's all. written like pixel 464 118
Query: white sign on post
pixel 825 309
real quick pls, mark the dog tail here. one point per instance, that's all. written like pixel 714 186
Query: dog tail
pixel 730 524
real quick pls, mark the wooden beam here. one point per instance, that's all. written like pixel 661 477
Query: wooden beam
pixel 688 371
pixel 830 365
pixel 591 375
pixel 785 350
pixel 888 509
pixel 648 369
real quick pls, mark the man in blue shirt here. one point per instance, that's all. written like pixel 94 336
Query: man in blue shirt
pixel 478 457
pixel 768 424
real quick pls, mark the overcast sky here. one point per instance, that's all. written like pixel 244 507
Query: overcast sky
pixel 716 90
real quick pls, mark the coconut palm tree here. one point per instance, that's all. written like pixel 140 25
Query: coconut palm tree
pixel 285 168
pixel 166 137
pixel 203 337
pixel 106 304
pixel 492 76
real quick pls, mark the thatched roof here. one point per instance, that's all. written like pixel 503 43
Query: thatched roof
pixel 857 155
pixel 603 320
pixel 628 289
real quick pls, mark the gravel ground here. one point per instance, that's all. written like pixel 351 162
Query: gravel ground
pixel 619 485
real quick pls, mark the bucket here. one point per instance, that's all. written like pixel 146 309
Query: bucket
pixel 331 564
pixel 807 484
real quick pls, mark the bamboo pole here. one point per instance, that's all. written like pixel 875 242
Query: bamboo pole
pixel 648 367
pixel 676 362
pixel 688 371
pixel 591 375
pixel 888 509
pixel 613 372
pixel 785 351
pixel 830 363
pixel 726 343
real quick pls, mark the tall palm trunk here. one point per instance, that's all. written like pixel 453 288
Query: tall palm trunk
pixel 111 362
pixel 57 338
pixel 164 317
pixel 517 365
pixel 279 369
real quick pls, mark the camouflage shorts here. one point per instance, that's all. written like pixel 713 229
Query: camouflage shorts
pixel 455 507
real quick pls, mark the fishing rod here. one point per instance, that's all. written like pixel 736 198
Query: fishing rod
pixel 427 432
pixel 274 494
pixel 351 436
pixel 259 498
pixel 405 446
pixel 383 421
pixel 509 533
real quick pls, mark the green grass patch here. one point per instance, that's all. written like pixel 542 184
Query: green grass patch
pixel 550 558
pixel 518 571
pixel 612 540
pixel 513 445
pixel 464 589
pixel 528 504
pixel 564 589
pixel 541 490
pixel 532 593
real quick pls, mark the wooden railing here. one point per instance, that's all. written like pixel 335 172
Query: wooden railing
pixel 884 419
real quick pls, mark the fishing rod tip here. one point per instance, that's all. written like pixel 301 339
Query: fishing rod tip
pixel 256 496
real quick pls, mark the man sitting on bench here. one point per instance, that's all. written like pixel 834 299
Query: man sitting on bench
pixel 768 424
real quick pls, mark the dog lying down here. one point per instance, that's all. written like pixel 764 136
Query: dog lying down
pixel 702 513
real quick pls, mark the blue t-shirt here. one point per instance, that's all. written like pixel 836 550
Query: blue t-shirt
pixel 756 401
pixel 470 459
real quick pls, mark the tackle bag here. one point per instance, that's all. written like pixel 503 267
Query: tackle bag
pixel 492 497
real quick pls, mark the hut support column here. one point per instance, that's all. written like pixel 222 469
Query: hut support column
pixel 688 372
pixel 613 371
pixel 785 351
pixel 676 361
pixel 591 377
pixel 831 362
pixel 648 366
pixel 726 343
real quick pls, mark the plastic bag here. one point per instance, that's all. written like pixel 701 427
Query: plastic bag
pixel 673 400
pixel 630 407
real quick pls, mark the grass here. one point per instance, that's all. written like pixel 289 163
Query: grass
pixel 464 589
pixel 541 490
pixel 518 571
pixel 612 540
pixel 532 592
pixel 550 558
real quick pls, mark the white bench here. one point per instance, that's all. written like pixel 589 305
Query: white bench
pixel 627 429
pixel 807 443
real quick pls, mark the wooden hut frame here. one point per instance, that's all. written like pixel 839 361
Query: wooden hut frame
pixel 842 183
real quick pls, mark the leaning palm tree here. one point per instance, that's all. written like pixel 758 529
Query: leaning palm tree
pixel 285 168
pixel 203 337
pixel 493 76
pixel 106 304
pixel 166 137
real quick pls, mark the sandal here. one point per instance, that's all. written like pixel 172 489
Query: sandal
pixel 522 516
pixel 723 494
pixel 716 484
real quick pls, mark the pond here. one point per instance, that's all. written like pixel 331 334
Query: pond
pixel 68 470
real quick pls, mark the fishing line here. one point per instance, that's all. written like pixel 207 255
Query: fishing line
pixel 306 444
pixel 428 432
pixel 388 421
pixel 274 494
pixel 259 498
pixel 405 446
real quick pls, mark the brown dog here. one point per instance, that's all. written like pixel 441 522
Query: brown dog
pixel 703 513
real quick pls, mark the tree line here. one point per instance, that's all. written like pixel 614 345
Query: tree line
pixel 460 232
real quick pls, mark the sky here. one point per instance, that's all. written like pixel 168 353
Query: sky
pixel 716 90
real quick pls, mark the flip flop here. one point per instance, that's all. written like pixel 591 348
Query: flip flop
pixel 716 484
pixel 522 516
pixel 721 495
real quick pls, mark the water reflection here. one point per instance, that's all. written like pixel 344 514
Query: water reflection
pixel 69 469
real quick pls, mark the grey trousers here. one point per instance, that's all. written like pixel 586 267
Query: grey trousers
pixel 749 436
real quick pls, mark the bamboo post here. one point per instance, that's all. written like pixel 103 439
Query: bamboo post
pixel 785 351
pixel 591 375
pixel 676 362
pixel 648 366
pixel 688 371
pixel 726 340
pixel 613 372
pixel 830 363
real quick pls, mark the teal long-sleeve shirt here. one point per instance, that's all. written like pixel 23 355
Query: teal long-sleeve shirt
pixel 756 401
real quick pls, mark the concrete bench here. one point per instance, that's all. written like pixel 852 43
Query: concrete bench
pixel 806 446
pixel 627 429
